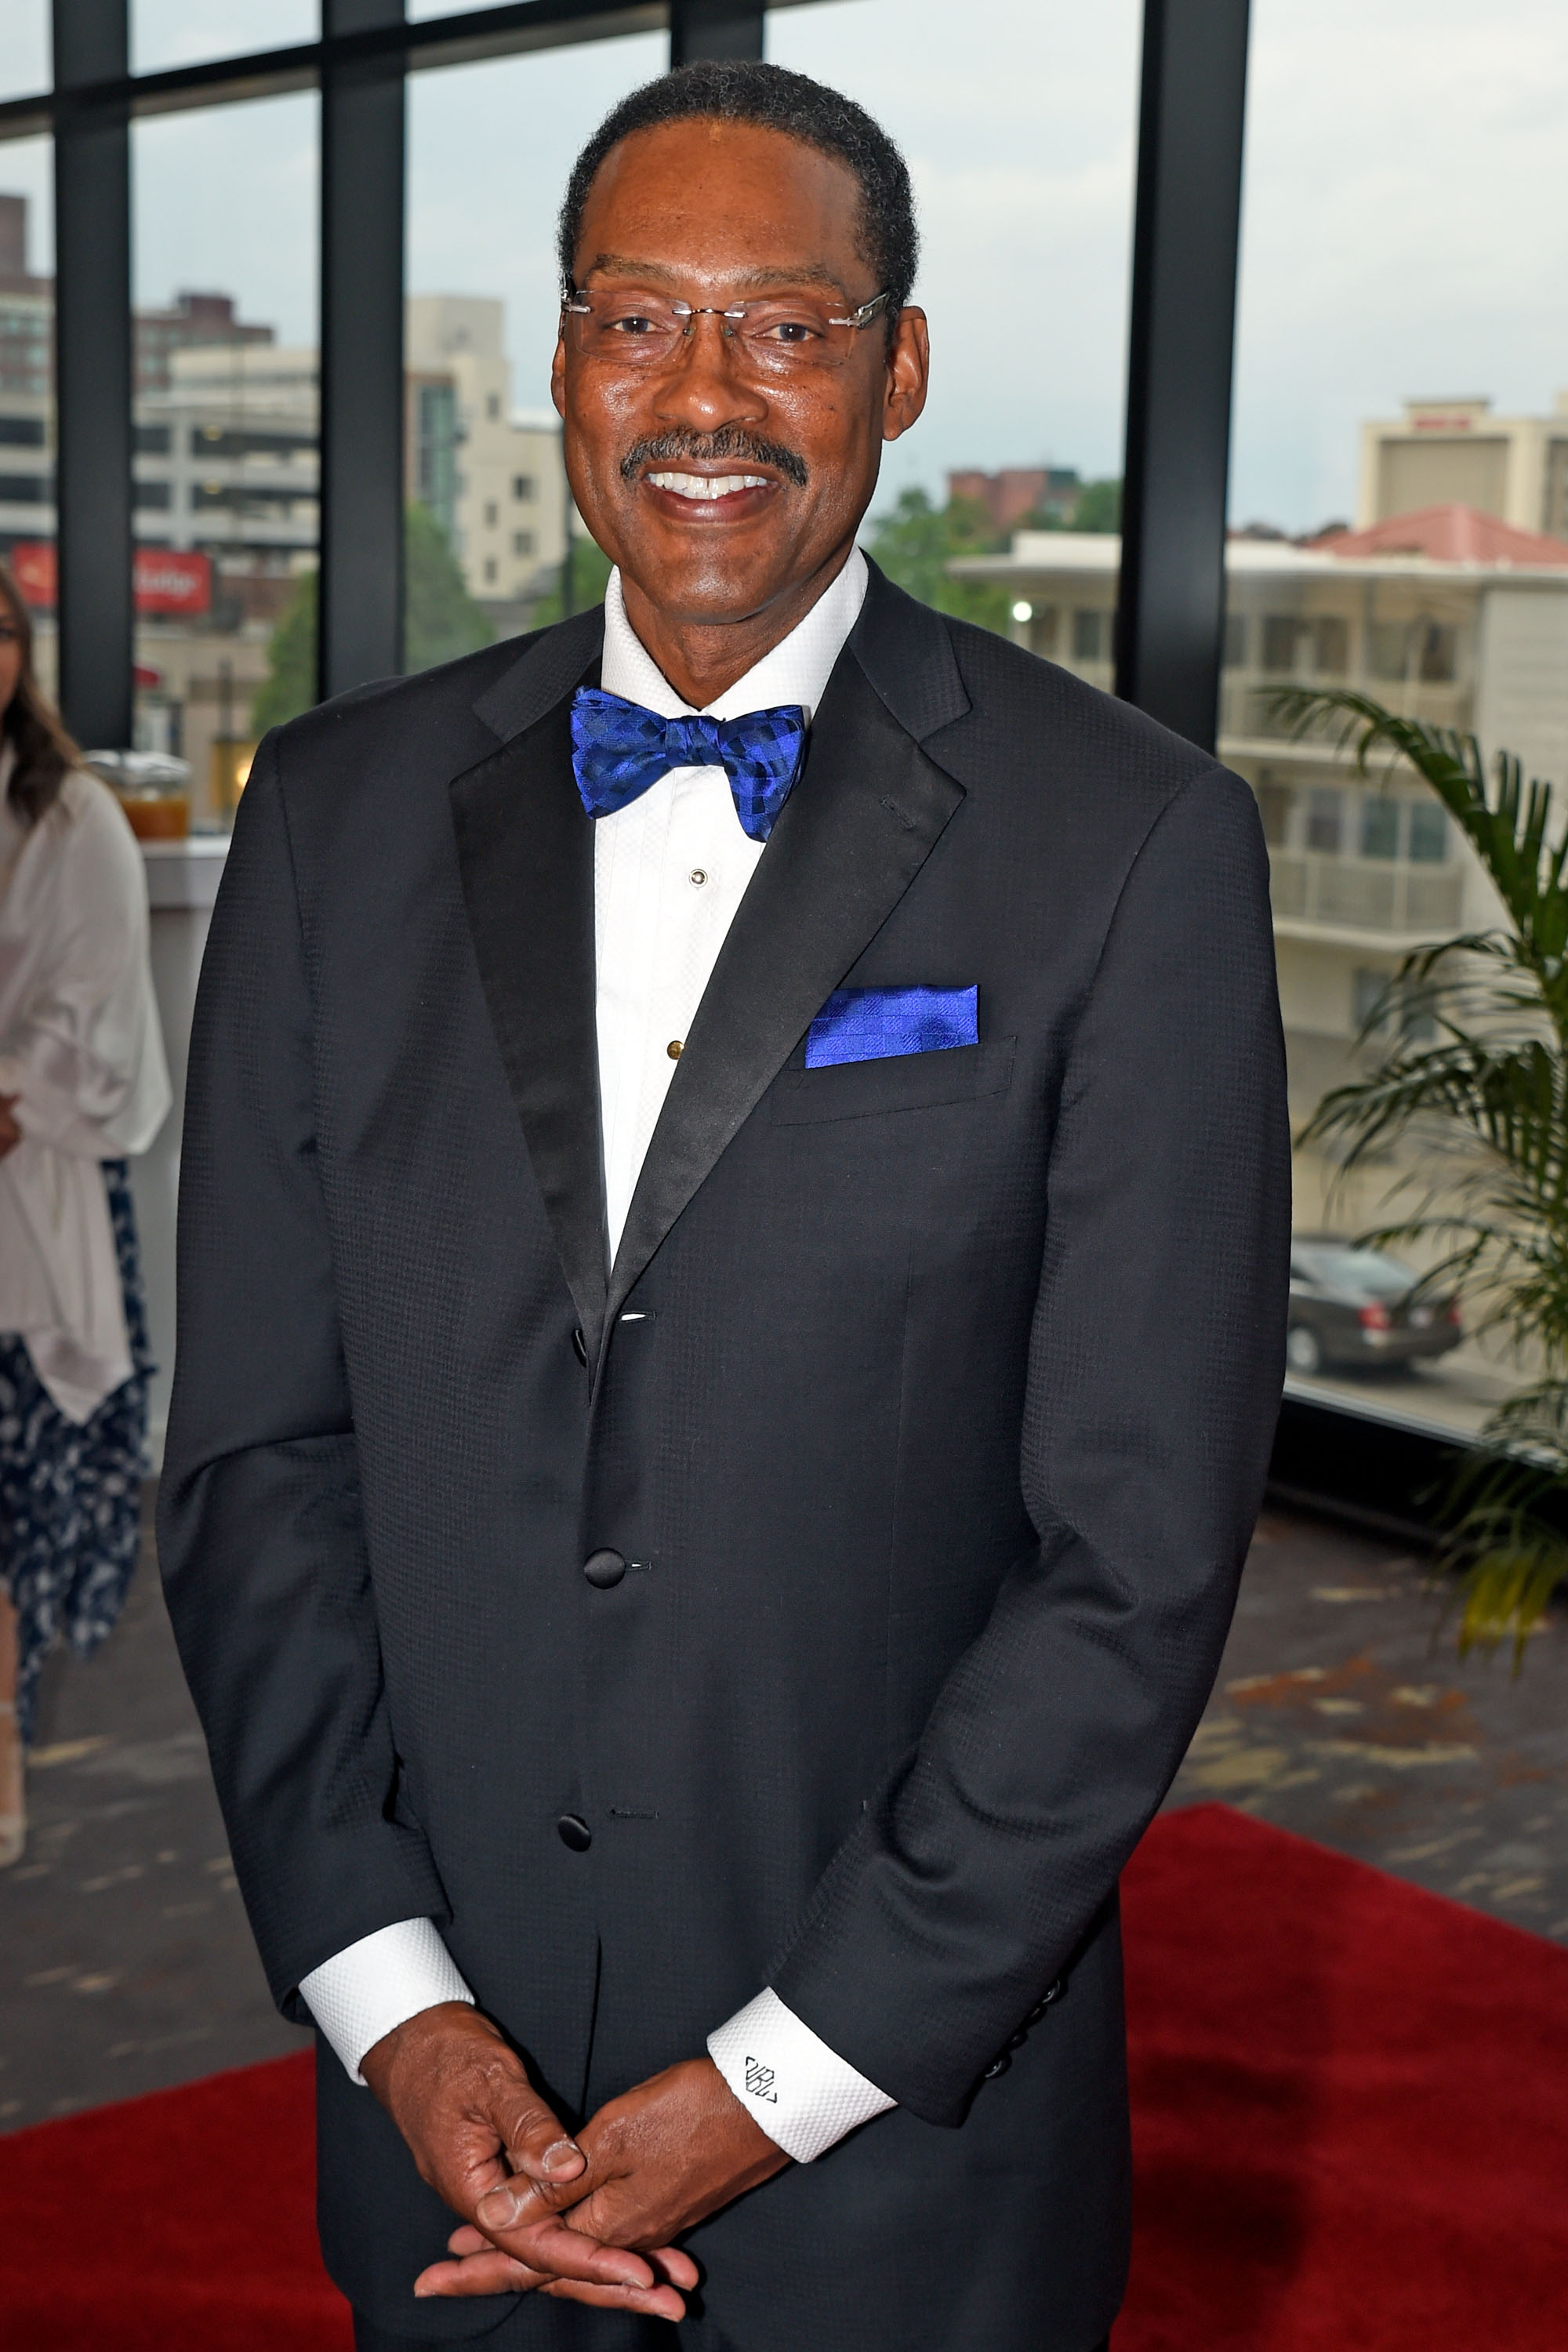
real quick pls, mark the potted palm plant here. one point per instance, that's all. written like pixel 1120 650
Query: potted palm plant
pixel 1468 1093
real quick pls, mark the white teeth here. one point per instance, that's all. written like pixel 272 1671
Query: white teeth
pixel 708 486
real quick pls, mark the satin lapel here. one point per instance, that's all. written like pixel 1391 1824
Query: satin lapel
pixel 857 829
pixel 525 849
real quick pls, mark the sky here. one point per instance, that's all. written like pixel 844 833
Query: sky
pixel 1404 208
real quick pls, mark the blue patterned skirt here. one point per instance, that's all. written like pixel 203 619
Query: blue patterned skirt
pixel 70 1497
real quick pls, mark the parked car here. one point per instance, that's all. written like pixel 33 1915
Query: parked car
pixel 1349 1304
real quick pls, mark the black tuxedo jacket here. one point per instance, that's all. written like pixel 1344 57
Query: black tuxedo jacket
pixel 931 1397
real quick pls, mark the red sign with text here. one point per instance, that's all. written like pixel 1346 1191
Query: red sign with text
pixel 162 579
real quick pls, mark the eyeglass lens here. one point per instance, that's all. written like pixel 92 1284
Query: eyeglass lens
pixel 785 337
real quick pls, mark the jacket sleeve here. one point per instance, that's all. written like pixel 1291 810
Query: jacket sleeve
pixel 86 1057
pixel 1155 1367
pixel 260 1535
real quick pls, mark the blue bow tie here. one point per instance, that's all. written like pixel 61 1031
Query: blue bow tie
pixel 619 750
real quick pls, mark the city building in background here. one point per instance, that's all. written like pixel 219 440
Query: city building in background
pixel 1446 615
pixel 1448 452
pixel 226 488
pixel 27 402
pixel 226 475
pixel 1364 868
pixel 194 322
pixel 492 479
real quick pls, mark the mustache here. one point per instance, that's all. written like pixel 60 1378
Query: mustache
pixel 731 442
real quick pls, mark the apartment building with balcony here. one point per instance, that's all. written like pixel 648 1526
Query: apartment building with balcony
pixel 1363 867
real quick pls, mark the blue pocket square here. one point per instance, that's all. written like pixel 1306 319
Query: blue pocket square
pixel 870 1025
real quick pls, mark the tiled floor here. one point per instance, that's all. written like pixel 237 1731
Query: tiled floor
pixel 125 1960
pixel 1343 1712
pixel 1340 1712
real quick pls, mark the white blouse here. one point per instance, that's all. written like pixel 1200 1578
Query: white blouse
pixel 81 1050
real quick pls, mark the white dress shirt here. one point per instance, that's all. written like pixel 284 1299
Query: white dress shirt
pixel 669 872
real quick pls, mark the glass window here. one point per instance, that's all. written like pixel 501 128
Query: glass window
pixel 1388 649
pixel 1235 641
pixel 1367 992
pixel 1331 641
pixel 24 51
pixel 225 336
pixel 1281 633
pixel 1020 139
pixel 1089 636
pixel 166 32
pixel 484 303
pixel 26 384
pixel 1325 819
pixel 1395 361
pixel 1275 803
pixel 1428 833
pixel 1439 661
pixel 1379 825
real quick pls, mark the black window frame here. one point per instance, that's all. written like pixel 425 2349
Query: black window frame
pixel 1170 619
pixel 1169 627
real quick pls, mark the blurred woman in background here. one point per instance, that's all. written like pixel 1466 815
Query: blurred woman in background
pixel 83 1084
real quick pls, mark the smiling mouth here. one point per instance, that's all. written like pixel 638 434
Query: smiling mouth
pixel 707 486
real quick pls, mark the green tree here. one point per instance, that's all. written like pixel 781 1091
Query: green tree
pixel 440 621
pixel 1098 506
pixel 915 544
pixel 590 578
pixel 289 685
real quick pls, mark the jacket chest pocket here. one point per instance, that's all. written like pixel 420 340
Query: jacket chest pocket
pixel 898 1082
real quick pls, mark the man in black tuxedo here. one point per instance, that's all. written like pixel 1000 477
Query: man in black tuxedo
pixel 733 1245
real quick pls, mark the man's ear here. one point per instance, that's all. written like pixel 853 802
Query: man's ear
pixel 558 376
pixel 909 373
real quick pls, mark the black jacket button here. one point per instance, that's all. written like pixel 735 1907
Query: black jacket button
pixel 574 1831
pixel 603 1568
pixel 580 1346
pixel 997 2066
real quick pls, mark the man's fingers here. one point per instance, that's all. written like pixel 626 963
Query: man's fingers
pixel 493 2272
pixel 537 2144
pixel 675 2267
pixel 543 2242
pixel 653 2303
pixel 485 2272
pixel 671 2263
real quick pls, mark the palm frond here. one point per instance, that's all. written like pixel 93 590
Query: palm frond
pixel 1509 1562
pixel 1480 1109
pixel 1509 822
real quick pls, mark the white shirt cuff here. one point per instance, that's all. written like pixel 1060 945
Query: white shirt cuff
pixel 362 1993
pixel 804 2097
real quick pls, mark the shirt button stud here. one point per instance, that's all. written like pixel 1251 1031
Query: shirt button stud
pixel 572 1831
pixel 673 1049
pixel 603 1568
pixel 697 877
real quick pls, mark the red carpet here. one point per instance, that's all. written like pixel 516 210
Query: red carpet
pixel 182 2222
pixel 1350 2119
pixel 1349 2104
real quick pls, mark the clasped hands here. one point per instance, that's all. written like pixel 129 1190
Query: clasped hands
pixel 592 2220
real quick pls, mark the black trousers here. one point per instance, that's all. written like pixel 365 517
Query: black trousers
pixel 582 2329
pixel 559 2326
